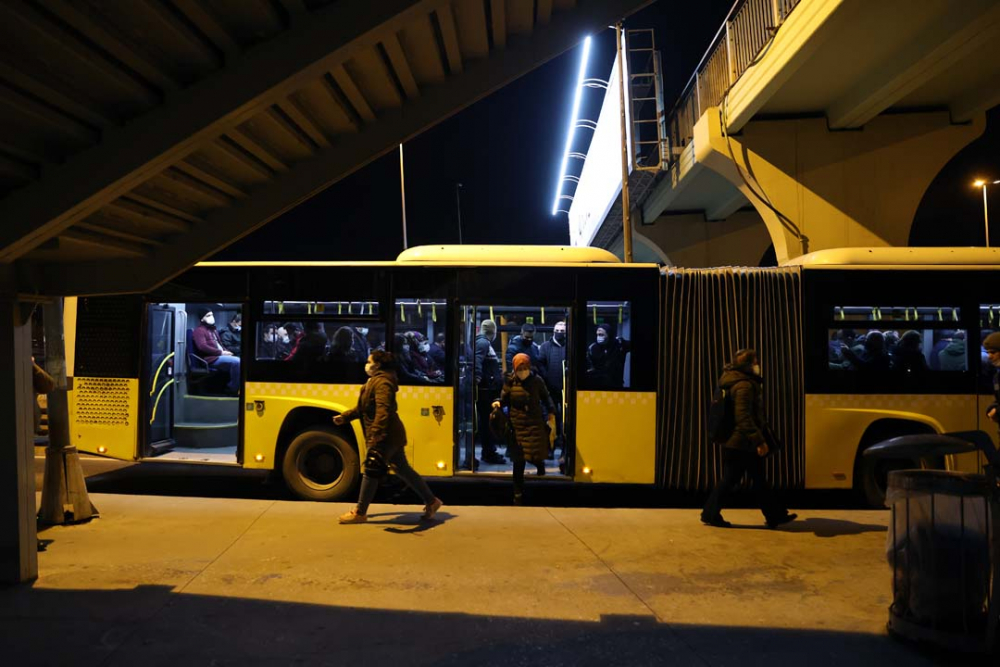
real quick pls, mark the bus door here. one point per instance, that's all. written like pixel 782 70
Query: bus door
pixel 159 369
pixel 192 395
pixel 543 333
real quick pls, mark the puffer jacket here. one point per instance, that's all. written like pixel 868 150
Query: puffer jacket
pixel 524 401
pixel 953 357
pixel 379 417
pixel 746 391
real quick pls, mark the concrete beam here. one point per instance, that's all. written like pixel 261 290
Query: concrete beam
pixel 952 38
pixel 133 153
pixel 978 98
pixel 725 207
pixel 304 179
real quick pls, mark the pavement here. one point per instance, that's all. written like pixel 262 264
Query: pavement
pixel 218 581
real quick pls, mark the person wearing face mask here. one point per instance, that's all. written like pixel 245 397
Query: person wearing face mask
pixel 488 376
pixel 606 360
pixel 551 358
pixel 524 344
pixel 437 351
pixel 527 402
pixel 359 342
pixel 385 438
pixel 991 344
pixel 744 451
pixel 232 336
pixel 208 346
pixel 419 353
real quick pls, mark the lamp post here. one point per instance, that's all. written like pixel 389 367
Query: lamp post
pixel 402 194
pixel 458 209
pixel 982 183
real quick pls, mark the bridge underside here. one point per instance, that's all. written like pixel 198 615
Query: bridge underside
pixel 137 143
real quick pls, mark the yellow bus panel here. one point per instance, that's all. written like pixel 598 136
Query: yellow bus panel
pixel 616 437
pixel 268 404
pixel 103 416
pixel 836 423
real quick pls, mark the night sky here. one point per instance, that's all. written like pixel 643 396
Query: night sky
pixel 506 151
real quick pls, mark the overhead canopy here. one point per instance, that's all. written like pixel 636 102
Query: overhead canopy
pixel 137 139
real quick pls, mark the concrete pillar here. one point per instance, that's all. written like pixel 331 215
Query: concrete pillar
pixel 817 189
pixel 18 538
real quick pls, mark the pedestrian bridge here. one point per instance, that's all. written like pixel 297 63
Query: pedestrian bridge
pixel 825 119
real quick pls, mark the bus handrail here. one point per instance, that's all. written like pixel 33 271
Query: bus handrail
pixel 156 377
pixel 156 403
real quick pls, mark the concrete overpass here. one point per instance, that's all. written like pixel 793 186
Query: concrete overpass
pixel 139 138
pixel 824 119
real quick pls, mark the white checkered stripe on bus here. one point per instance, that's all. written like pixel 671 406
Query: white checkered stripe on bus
pixel 903 402
pixel 613 398
pixel 343 393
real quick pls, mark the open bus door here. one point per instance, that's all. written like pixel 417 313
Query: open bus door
pixel 159 391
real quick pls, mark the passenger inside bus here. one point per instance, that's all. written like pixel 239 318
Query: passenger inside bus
pixel 208 346
pixel 606 359
pixel 898 351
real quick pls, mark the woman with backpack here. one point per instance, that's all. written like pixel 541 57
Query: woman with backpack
pixel 385 438
pixel 531 433
pixel 746 445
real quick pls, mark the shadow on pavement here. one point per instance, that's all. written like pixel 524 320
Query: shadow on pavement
pixel 152 625
pixel 414 521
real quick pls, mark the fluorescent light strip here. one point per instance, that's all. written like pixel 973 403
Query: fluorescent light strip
pixel 572 122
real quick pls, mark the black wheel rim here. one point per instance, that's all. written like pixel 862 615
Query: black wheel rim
pixel 320 465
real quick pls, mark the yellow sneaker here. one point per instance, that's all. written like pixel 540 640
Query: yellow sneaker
pixel 353 517
pixel 431 510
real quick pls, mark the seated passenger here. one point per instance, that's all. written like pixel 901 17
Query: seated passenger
pixel 271 345
pixel 342 349
pixel 953 356
pixel 208 346
pixel 872 356
pixel 909 355
pixel 419 351
pixel 291 337
pixel 606 360
pixel 406 369
pixel 437 351
pixel 232 336
pixel 310 346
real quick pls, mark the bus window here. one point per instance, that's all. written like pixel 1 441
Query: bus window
pixel 897 350
pixel 419 341
pixel 320 350
pixel 989 322
pixel 609 345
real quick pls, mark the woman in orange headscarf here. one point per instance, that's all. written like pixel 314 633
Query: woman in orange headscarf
pixel 532 416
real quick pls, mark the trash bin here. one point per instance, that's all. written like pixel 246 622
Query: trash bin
pixel 942 548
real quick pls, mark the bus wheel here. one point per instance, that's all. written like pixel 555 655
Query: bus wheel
pixel 872 479
pixel 320 465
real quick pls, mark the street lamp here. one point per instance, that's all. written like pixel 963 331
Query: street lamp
pixel 982 183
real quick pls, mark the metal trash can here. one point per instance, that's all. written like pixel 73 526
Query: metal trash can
pixel 939 548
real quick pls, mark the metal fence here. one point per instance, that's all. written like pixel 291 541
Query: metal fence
pixel 747 30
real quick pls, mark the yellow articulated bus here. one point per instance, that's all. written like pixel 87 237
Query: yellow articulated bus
pixel 857 346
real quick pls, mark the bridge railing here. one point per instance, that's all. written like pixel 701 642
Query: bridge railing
pixel 746 31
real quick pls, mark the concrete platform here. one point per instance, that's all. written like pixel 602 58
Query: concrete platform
pixel 205 581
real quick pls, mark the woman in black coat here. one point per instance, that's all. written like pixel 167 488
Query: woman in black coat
pixel 744 451
pixel 524 395
pixel 385 437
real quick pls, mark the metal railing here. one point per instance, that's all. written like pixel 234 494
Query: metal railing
pixel 748 28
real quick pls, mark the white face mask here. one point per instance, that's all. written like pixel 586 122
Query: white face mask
pixel 209 320
pixel 286 339
pixel 370 369
pixel 756 369
pixel 363 331
pixel 522 375
pixel 235 327
pixel 601 339
pixel 425 347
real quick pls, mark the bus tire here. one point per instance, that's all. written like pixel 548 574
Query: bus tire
pixel 871 478
pixel 320 464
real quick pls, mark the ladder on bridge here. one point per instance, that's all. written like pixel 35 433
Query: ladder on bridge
pixel 650 151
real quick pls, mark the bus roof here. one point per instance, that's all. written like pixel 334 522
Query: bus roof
pixel 899 258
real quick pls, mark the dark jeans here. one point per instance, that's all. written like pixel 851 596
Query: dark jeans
pixel 401 467
pixel 736 463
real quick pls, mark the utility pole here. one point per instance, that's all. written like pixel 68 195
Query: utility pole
pixel 64 489
pixel 458 209
pixel 626 222
pixel 402 193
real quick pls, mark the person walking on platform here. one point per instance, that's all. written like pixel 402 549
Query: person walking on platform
pixel 744 450
pixel 385 438
pixel 525 397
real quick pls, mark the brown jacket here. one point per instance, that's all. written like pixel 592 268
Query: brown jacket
pixel 377 410
pixel 748 408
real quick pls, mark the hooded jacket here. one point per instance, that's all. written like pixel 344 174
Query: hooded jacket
pixel 746 390
pixel 378 413
pixel 952 357
pixel 524 400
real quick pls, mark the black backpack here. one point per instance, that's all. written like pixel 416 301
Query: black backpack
pixel 721 416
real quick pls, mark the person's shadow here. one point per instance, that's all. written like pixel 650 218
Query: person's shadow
pixel 823 527
pixel 413 520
